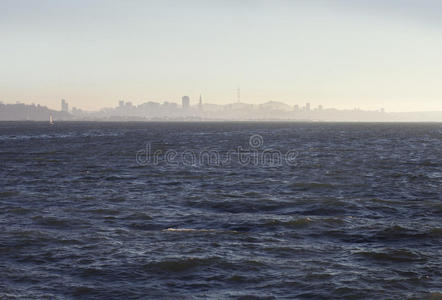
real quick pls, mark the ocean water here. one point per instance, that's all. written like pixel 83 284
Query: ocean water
pixel 135 211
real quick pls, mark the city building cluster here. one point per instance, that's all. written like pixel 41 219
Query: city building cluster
pixel 198 110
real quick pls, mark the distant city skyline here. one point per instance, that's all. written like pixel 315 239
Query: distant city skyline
pixel 237 111
pixel 187 101
pixel 197 102
pixel 338 53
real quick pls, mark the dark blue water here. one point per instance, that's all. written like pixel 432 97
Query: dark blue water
pixel 356 213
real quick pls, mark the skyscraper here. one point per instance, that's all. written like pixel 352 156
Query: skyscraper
pixel 185 101
pixel 307 107
pixel 200 104
pixel 64 106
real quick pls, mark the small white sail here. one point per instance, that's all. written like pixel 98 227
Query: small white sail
pixel 51 120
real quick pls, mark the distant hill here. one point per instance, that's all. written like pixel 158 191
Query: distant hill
pixel 275 105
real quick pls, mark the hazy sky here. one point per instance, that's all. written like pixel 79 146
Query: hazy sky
pixel 340 53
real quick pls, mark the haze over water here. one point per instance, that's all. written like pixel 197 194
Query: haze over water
pixel 356 214
pixel 337 53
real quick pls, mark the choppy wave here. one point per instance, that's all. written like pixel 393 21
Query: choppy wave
pixel 358 217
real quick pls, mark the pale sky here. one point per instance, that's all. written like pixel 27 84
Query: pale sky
pixel 338 53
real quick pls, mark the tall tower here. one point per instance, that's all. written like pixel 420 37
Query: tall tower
pixel 238 95
pixel 185 101
pixel 200 104
pixel 64 106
